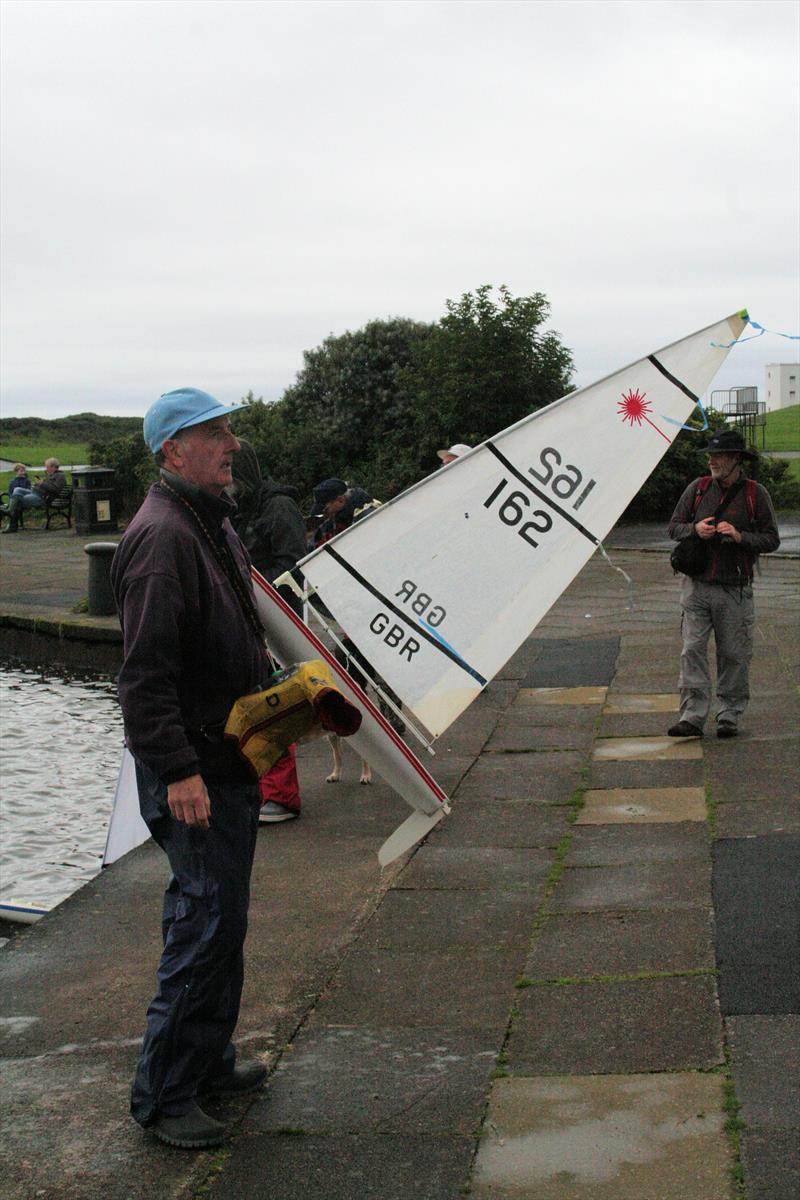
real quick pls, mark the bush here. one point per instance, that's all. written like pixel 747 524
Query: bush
pixel 134 468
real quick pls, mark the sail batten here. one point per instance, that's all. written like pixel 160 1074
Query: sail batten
pixel 439 587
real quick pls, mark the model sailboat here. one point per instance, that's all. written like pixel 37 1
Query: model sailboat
pixel 440 586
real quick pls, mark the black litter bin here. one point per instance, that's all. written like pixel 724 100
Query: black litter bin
pixel 93 500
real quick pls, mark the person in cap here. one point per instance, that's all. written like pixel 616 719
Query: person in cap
pixel 337 506
pixel 193 644
pixel 452 453
pixel 721 598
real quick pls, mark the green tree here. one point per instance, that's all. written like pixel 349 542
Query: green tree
pixel 347 414
pixel 487 364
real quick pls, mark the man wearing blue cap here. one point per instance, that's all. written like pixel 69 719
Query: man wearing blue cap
pixel 193 644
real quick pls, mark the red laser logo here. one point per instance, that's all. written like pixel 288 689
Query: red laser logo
pixel 634 407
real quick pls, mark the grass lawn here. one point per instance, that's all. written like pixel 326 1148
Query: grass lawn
pixel 782 430
pixel 33 454
pixel 794 469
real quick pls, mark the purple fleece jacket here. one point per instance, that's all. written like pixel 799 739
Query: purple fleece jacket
pixel 189 650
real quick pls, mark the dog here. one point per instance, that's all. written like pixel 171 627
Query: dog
pixel 349 657
pixel 335 743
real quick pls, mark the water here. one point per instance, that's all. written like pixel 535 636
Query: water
pixel 59 760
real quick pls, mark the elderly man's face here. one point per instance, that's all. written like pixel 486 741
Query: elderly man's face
pixel 203 455
pixel 721 465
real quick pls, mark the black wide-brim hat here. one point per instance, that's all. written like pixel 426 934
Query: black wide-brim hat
pixel 728 441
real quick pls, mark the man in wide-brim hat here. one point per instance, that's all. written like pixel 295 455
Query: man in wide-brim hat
pixel 721 598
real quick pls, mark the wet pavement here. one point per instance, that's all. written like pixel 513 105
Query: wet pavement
pixel 535 1003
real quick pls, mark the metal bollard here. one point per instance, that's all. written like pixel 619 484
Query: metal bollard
pixel 101 598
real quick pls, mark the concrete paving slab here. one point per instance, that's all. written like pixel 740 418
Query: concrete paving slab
pixel 648 806
pixel 771 1163
pixel 619 1137
pixel 465 868
pixel 748 818
pixel 398 1082
pixel 732 774
pixel 372 1167
pixel 647 749
pixel 401 989
pixel 622 943
pixel 672 773
pixel 54 1147
pixel 549 716
pixel 549 777
pixel 667 886
pixel 514 737
pixel 642 702
pixel 628 725
pixel 615 845
pixel 474 822
pixel 561 695
pixel 757 905
pixel 634 682
pixel 608 1028
pixel 426 920
pixel 574 662
pixel 765 1061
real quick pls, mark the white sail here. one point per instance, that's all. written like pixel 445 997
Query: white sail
pixel 440 586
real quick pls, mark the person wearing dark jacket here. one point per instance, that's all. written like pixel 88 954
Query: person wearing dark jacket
pixel 193 644
pixel 337 506
pixel 268 520
pixel 273 530
pixel 722 597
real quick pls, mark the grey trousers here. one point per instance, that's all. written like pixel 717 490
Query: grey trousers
pixel 731 614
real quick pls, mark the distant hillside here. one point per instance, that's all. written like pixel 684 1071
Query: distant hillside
pixel 83 427
pixel 782 431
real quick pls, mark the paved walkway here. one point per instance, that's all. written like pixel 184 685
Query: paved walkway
pixel 583 985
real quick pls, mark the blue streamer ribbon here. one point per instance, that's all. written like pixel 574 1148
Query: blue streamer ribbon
pixel 692 428
pixel 793 337
pixel 726 346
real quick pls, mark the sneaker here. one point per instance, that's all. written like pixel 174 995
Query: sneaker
pixel 247 1077
pixel 684 729
pixel 272 812
pixel 726 729
pixel 192 1130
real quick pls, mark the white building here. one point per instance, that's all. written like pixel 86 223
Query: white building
pixel 780 385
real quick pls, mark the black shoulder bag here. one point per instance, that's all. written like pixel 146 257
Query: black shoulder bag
pixel 690 555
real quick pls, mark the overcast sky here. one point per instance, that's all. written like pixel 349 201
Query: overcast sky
pixel 196 192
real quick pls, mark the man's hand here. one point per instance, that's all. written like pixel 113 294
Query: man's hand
pixel 729 530
pixel 706 528
pixel 188 801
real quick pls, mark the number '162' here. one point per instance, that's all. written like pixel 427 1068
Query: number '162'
pixel 514 508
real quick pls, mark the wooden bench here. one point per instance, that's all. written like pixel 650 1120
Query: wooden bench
pixel 59 506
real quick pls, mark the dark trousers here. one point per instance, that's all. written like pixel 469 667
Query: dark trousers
pixel 193 1014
